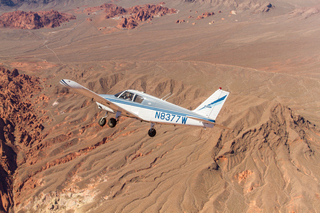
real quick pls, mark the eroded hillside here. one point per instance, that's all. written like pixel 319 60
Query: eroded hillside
pixel 20 126
pixel 267 162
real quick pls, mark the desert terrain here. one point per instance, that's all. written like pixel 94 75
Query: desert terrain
pixel 56 158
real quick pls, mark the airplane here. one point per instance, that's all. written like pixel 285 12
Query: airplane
pixel 147 108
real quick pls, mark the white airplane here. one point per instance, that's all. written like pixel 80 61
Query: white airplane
pixel 144 107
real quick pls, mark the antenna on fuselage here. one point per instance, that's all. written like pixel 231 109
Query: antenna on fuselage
pixel 169 97
pixel 166 95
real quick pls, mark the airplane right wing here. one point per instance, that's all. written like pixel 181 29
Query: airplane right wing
pixel 90 94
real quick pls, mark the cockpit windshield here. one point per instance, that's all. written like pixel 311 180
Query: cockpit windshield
pixel 118 94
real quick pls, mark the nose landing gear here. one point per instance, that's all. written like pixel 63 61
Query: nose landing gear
pixel 152 132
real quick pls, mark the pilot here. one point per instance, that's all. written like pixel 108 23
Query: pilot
pixel 129 97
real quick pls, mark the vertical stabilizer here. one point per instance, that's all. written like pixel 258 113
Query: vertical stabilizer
pixel 211 107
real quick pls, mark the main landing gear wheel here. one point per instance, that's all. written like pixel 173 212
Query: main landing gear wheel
pixel 112 122
pixel 102 121
pixel 152 132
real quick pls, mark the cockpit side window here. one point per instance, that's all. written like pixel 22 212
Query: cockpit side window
pixel 138 99
pixel 127 96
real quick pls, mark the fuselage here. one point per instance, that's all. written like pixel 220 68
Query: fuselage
pixel 144 107
pixel 155 110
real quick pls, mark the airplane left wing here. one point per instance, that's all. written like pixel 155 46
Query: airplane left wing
pixel 88 93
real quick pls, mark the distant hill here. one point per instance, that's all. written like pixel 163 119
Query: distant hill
pixel 33 20
pixel 27 5
pixel 13 3
pixel 253 5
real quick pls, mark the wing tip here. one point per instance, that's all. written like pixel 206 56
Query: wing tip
pixel 64 83
pixel 70 83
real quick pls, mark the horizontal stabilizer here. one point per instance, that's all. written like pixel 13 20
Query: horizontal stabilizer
pixel 202 120
pixel 223 127
pixel 209 122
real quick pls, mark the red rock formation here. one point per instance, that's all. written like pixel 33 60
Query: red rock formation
pixel 127 23
pixel 242 176
pixel 134 14
pixel 199 17
pixel 101 7
pixel 180 21
pixel 34 20
pixel 148 11
pixel 114 11
pixel 152 9
pixel 18 125
pixel 205 15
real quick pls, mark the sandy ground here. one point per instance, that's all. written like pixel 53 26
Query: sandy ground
pixel 268 162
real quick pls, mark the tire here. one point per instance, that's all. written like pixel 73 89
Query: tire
pixel 152 132
pixel 112 122
pixel 102 121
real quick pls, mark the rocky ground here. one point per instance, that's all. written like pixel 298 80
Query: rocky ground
pixel 20 126
pixel 34 20
pixel 56 158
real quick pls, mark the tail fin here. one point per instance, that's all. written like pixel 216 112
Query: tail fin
pixel 211 107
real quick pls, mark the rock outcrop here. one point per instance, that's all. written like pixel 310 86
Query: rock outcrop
pixel 34 20
pixel 274 157
pixel 145 12
pixel 73 164
pixel 128 23
pixel 133 15
pixel 19 126
pixel 180 21
pixel 107 8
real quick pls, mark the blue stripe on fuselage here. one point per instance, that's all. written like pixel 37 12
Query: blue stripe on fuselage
pixel 130 103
